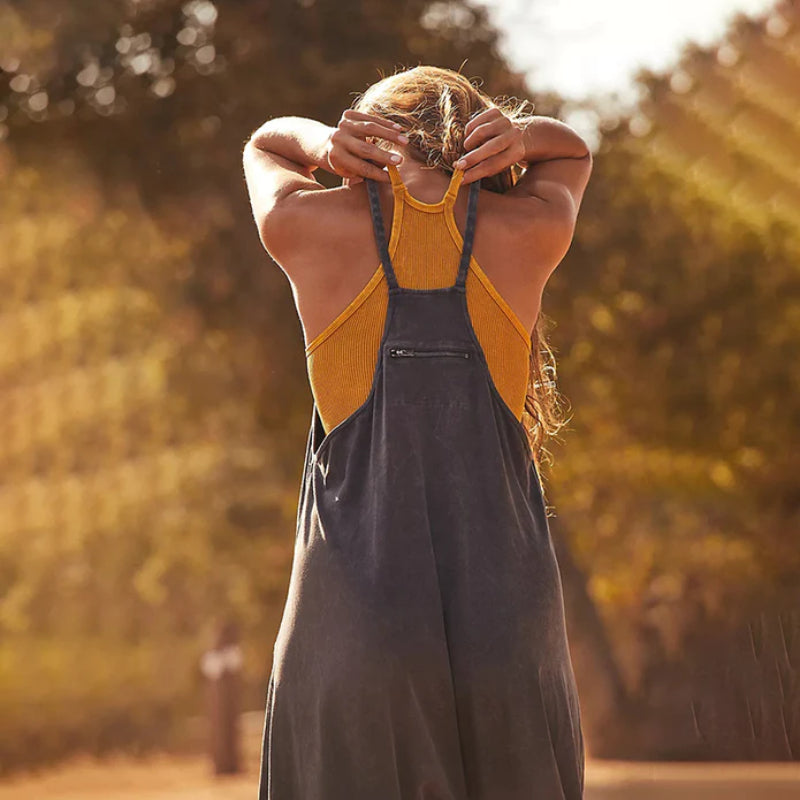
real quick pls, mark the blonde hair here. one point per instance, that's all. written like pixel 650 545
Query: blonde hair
pixel 434 105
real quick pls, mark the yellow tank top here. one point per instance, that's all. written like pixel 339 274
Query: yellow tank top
pixel 424 245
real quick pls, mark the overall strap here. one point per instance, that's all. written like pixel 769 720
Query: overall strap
pixel 469 233
pixel 380 232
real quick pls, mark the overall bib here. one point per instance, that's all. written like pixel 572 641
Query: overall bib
pixel 422 653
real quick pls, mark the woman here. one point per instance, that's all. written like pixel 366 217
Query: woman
pixel 422 652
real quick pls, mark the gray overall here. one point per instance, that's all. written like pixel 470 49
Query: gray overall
pixel 422 653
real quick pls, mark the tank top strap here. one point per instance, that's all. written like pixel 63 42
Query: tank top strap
pixel 446 202
pixel 401 192
pixel 452 190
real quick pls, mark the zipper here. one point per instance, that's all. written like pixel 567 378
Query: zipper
pixel 397 352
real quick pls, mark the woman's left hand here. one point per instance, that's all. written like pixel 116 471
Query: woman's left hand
pixel 493 142
pixel 348 153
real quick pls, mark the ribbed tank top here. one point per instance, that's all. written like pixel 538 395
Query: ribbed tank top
pixel 424 245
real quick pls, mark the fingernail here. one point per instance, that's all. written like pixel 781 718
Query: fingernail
pixel 460 163
pixel 398 126
pixel 402 138
pixel 396 157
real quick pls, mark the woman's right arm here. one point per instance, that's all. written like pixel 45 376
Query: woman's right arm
pixel 557 160
pixel 543 205
pixel 558 164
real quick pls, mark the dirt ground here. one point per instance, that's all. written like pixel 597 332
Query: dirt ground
pixel 623 780
pixel 163 778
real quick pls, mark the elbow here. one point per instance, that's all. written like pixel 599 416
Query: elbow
pixel 260 136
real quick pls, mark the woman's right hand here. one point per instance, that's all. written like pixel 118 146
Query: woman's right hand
pixel 348 154
pixel 493 142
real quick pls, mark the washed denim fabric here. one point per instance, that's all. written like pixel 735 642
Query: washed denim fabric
pixel 422 653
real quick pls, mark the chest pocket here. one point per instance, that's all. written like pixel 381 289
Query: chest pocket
pixel 438 374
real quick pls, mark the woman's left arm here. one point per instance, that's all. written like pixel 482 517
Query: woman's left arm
pixel 279 159
pixel 281 156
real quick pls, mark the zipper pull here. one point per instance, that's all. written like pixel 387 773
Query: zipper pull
pixel 399 351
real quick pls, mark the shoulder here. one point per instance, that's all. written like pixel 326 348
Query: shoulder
pixel 306 216
pixel 539 214
pixel 295 214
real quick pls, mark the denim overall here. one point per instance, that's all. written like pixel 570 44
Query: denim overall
pixel 422 653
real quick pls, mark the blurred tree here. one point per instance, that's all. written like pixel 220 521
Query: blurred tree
pixel 161 95
pixel 678 315
pixel 156 414
pixel 171 461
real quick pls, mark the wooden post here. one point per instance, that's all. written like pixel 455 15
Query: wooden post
pixel 221 665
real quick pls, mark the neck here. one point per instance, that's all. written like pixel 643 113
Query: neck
pixel 427 184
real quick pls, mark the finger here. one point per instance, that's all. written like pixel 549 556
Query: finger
pixel 383 131
pixel 361 116
pixel 375 153
pixel 491 166
pixel 376 173
pixel 380 130
pixel 364 169
pixel 490 148
pixel 487 115
pixel 487 130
